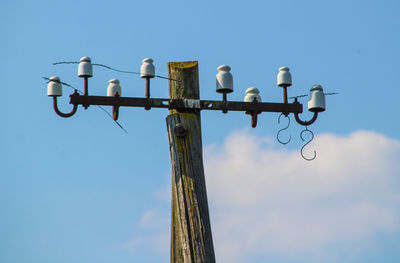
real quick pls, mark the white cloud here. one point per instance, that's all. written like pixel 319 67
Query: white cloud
pixel 266 200
pixel 156 237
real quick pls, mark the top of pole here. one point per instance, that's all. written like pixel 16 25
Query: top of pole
pixel 183 81
pixel 183 64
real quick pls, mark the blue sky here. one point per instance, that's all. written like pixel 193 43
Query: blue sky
pixel 81 190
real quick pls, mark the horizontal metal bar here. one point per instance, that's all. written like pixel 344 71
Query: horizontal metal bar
pixel 119 101
pixel 251 106
pixel 182 104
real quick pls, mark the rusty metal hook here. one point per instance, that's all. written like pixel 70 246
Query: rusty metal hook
pixel 304 123
pixel 302 148
pixel 287 127
pixel 61 114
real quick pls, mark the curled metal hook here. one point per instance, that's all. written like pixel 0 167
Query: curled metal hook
pixel 304 123
pixel 287 127
pixel 61 114
pixel 302 148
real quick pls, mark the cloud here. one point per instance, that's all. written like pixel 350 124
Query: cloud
pixel 154 235
pixel 266 200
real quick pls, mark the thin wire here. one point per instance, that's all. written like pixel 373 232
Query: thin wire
pixel 161 77
pixel 110 68
pixel 66 84
pixel 100 107
pixel 65 62
pixel 301 96
pixel 112 118
pixel 117 70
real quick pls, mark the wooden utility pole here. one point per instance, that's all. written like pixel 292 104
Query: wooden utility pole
pixel 191 238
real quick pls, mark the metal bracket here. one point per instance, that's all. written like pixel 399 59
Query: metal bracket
pixel 191 104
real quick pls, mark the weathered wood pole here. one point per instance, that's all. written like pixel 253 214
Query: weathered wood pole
pixel 191 239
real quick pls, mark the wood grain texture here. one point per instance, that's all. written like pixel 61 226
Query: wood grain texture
pixel 184 81
pixel 191 238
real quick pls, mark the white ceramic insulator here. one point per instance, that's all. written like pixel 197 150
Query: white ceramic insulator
pixel 54 87
pixel 113 88
pixel 85 68
pixel 316 99
pixel 147 69
pixel 252 94
pixel 284 78
pixel 224 79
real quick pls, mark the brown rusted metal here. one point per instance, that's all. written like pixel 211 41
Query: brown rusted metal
pixel 304 123
pixel 254 119
pixel 115 110
pixel 86 86
pixel 61 114
pixel 285 100
pixel 85 90
pixel 182 105
pixel 224 100
pixel 148 107
pixel 147 88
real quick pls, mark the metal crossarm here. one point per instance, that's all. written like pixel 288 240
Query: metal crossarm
pixel 186 104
